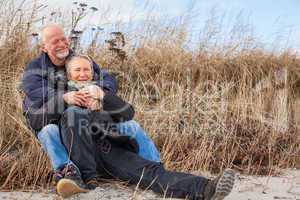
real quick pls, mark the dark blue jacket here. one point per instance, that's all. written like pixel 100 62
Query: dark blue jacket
pixel 44 85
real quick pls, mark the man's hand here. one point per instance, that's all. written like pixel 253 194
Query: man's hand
pixel 78 98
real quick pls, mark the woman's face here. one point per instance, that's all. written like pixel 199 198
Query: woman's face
pixel 80 69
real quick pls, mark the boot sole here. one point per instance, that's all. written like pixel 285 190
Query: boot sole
pixel 67 188
pixel 224 185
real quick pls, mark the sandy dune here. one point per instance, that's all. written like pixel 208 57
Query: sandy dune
pixel 284 187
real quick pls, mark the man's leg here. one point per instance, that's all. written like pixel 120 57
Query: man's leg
pixel 67 175
pixel 128 166
pixel 49 138
pixel 147 148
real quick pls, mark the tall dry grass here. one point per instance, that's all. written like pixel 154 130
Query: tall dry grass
pixel 206 108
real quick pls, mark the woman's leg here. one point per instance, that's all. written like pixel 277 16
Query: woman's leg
pixel 147 148
pixel 78 140
pixel 128 166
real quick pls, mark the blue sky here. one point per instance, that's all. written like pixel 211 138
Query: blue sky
pixel 272 20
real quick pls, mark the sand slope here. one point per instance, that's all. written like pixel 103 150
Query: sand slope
pixel 284 187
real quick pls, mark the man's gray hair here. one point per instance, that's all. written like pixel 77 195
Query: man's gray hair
pixel 42 37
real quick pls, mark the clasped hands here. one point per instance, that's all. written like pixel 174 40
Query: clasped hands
pixel 88 97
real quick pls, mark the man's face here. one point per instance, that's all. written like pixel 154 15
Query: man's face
pixel 79 69
pixel 56 44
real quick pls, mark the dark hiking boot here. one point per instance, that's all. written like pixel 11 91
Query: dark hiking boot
pixel 92 183
pixel 220 187
pixel 71 183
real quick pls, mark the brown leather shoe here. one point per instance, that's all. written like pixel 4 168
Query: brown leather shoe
pixel 71 183
pixel 68 187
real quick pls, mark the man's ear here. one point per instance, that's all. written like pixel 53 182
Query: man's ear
pixel 43 48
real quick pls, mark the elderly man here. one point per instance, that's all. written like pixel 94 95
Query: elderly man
pixel 45 100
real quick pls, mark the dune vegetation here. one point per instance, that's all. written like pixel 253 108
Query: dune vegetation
pixel 207 105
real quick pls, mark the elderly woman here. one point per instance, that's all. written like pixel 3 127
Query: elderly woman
pixel 98 117
pixel 106 157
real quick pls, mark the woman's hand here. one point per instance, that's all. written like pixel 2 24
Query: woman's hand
pixel 94 104
pixel 96 94
pixel 95 91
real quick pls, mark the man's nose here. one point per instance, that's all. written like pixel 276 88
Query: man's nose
pixel 62 43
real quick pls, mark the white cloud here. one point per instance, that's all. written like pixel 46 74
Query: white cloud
pixel 109 11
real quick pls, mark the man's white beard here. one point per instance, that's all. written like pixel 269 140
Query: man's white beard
pixel 62 55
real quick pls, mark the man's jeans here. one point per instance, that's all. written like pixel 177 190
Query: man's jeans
pixel 147 148
pixel 50 139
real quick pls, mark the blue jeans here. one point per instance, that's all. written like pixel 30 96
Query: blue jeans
pixel 50 140
pixel 147 148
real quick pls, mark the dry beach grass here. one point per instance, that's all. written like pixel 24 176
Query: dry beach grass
pixel 206 108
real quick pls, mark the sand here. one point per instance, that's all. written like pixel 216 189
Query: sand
pixel 283 187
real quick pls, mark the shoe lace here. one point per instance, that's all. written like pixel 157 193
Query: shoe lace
pixel 70 171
